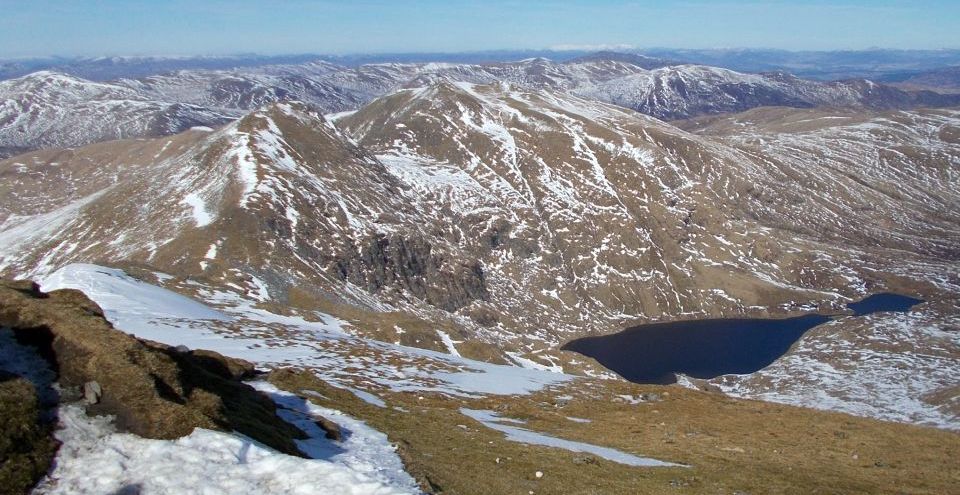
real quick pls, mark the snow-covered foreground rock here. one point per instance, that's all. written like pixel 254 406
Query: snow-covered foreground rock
pixel 95 459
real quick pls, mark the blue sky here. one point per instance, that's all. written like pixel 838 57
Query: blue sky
pixel 189 27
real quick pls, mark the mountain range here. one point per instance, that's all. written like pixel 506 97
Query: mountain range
pixel 879 64
pixel 47 109
pixel 514 219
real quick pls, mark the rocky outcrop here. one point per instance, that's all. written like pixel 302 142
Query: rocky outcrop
pixel 153 390
pixel 411 264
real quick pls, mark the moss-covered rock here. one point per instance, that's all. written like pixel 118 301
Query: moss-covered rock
pixel 27 446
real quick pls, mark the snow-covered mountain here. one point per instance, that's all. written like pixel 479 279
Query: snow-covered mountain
pixel 408 271
pixel 51 110
pixel 331 88
pixel 651 86
pixel 640 60
pixel 685 91
pixel 499 221
pixel 249 89
pixel 47 109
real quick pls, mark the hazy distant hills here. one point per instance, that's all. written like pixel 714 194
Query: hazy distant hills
pixel 630 58
pixel 946 79
pixel 878 64
pixel 107 68
pixel 684 91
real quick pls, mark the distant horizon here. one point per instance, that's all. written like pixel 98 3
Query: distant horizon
pixel 631 51
pixel 216 28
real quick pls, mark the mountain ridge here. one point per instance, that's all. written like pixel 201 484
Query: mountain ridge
pixel 35 105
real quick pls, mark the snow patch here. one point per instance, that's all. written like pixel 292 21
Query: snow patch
pixel 94 458
pixel 201 215
pixel 134 306
pixel 449 342
pixel 18 232
pixel 533 365
pixel 493 421
pixel 363 449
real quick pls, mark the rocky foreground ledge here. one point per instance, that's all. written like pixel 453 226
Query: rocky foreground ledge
pixel 152 390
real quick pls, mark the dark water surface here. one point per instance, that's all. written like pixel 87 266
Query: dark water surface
pixel 883 302
pixel 652 353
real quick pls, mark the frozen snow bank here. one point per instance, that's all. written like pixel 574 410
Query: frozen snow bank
pixel 95 459
pixel 120 292
pixel 485 378
pixel 133 306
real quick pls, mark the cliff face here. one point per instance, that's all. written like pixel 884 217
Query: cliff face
pixel 409 264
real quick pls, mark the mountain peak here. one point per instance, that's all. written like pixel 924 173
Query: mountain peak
pixel 536 60
pixel 639 60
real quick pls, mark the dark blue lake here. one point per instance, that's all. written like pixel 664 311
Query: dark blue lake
pixel 706 349
pixel 883 302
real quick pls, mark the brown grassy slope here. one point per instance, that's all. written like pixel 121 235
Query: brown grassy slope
pixel 732 446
